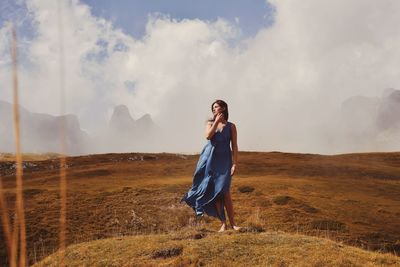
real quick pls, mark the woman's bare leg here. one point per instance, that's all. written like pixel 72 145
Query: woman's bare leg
pixel 229 209
pixel 218 207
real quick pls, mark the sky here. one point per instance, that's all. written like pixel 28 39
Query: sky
pixel 284 66
pixel 132 15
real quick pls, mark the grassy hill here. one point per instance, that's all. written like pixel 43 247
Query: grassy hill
pixel 202 248
pixel 353 198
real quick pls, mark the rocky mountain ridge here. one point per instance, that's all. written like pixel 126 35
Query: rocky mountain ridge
pixel 40 133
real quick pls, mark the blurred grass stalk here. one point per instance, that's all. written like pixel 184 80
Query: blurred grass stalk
pixel 62 126
pixel 19 222
pixel 6 223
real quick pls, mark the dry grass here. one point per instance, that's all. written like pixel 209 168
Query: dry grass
pixel 228 249
pixel 28 156
pixel 115 195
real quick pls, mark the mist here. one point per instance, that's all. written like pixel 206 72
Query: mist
pixel 285 86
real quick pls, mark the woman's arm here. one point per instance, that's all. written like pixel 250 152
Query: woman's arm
pixel 211 127
pixel 234 148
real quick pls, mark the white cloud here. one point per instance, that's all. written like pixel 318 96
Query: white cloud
pixel 284 86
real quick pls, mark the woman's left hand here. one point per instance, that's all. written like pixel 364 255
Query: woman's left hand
pixel 233 169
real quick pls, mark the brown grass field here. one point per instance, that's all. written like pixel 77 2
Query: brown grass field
pixel 123 209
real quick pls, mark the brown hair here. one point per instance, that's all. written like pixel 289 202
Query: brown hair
pixel 223 105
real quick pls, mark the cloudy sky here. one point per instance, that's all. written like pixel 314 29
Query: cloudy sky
pixel 283 66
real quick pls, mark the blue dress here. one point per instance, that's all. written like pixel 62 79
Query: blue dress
pixel 212 177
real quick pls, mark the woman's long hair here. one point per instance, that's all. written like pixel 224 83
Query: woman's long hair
pixel 223 105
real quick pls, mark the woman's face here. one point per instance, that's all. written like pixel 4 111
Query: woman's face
pixel 217 109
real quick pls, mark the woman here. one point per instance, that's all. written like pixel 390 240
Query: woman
pixel 210 192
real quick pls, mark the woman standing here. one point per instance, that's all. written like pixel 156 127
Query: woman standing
pixel 210 192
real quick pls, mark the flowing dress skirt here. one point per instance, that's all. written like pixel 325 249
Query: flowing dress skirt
pixel 212 177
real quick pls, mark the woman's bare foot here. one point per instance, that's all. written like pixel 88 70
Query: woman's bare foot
pixel 236 228
pixel 223 228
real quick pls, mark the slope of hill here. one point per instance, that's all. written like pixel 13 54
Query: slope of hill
pixel 350 198
pixel 202 248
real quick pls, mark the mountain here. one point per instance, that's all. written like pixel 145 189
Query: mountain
pixel 40 132
pixel 360 113
pixel 121 120
pixel 389 110
pixel 370 113
pixel 372 122
pixel 125 134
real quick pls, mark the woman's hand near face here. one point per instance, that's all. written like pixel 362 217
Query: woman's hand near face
pixel 211 127
pixel 219 117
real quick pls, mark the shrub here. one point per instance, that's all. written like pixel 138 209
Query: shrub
pixel 167 252
pixel 33 191
pixel 264 203
pixel 309 209
pixel 282 200
pixel 172 188
pixel 126 189
pixel 328 224
pixel 252 228
pixel 246 189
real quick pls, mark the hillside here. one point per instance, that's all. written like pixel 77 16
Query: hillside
pixel 202 248
pixel 350 198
